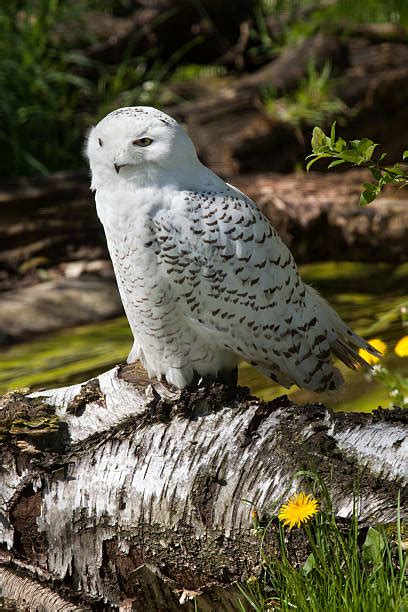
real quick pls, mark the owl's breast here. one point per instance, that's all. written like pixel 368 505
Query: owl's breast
pixel 139 244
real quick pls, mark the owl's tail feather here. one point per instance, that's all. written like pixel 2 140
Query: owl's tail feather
pixel 345 344
pixel 342 341
pixel 348 353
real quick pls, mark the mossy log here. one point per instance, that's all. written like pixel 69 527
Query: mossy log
pixel 129 493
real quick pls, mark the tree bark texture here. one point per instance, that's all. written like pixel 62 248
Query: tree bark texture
pixel 139 495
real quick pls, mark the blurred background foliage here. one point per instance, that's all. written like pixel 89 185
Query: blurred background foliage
pixel 53 85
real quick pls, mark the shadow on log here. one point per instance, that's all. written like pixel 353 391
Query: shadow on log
pixel 130 492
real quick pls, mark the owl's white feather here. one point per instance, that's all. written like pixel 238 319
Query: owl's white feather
pixel 204 278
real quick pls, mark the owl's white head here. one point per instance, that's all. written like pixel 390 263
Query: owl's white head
pixel 133 143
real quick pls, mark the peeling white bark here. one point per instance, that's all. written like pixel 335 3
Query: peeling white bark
pixel 121 400
pixel 160 477
pixel 384 452
pixel 12 478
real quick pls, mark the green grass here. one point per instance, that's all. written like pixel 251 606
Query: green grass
pixel 41 89
pixel 294 20
pixel 313 102
pixel 50 93
pixel 348 568
pixel 329 13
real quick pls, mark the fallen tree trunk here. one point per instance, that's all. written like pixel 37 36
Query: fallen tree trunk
pixel 140 495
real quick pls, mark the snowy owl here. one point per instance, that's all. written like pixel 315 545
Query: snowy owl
pixel 204 278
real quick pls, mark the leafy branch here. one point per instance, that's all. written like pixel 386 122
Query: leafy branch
pixel 358 153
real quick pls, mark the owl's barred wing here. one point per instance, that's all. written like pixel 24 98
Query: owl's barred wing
pixel 237 283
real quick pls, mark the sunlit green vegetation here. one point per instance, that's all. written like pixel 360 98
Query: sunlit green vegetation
pixel 297 19
pixel 359 153
pixel 313 102
pixel 51 91
pixel 347 568
pixel 42 89
pixel 328 14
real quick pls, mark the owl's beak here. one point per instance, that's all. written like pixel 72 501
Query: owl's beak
pixel 118 167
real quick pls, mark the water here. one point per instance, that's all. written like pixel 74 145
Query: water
pixel 367 296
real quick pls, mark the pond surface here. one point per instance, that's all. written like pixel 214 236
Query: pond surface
pixel 367 296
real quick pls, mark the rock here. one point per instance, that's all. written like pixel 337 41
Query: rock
pixel 57 304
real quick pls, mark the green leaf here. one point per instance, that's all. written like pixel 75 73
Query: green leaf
pixel 376 173
pixel 310 164
pixel 308 565
pixel 395 169
pixel 388 177
pixel 318 139
pixel 366 198
pixel 336 162
pixel 369 152
pixel 340 145
pixel 333 134
pixel 373 547
pixel 365 150
pixel 405 155
pixel 364 145
pixel 368 195
pixel 350 156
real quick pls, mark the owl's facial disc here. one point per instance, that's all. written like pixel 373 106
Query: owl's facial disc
pixel 143 142
pixel 136 140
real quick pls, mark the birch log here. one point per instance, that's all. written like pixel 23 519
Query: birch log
pixel 120 492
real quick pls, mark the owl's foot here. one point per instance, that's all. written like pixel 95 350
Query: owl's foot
pixel 229 378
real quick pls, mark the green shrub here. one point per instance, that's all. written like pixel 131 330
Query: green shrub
pixel 41 89
pixel 46 102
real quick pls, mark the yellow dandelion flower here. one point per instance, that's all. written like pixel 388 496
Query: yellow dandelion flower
pixel 377 344
pixel 401 348
pixel 300 508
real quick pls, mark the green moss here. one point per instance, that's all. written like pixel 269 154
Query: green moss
pixel 34 425
pixel 31 420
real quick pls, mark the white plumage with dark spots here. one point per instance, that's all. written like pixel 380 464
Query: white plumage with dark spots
pixel 204 278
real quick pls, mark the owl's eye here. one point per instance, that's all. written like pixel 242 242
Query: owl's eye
pixel 100 142
pixel 142 142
